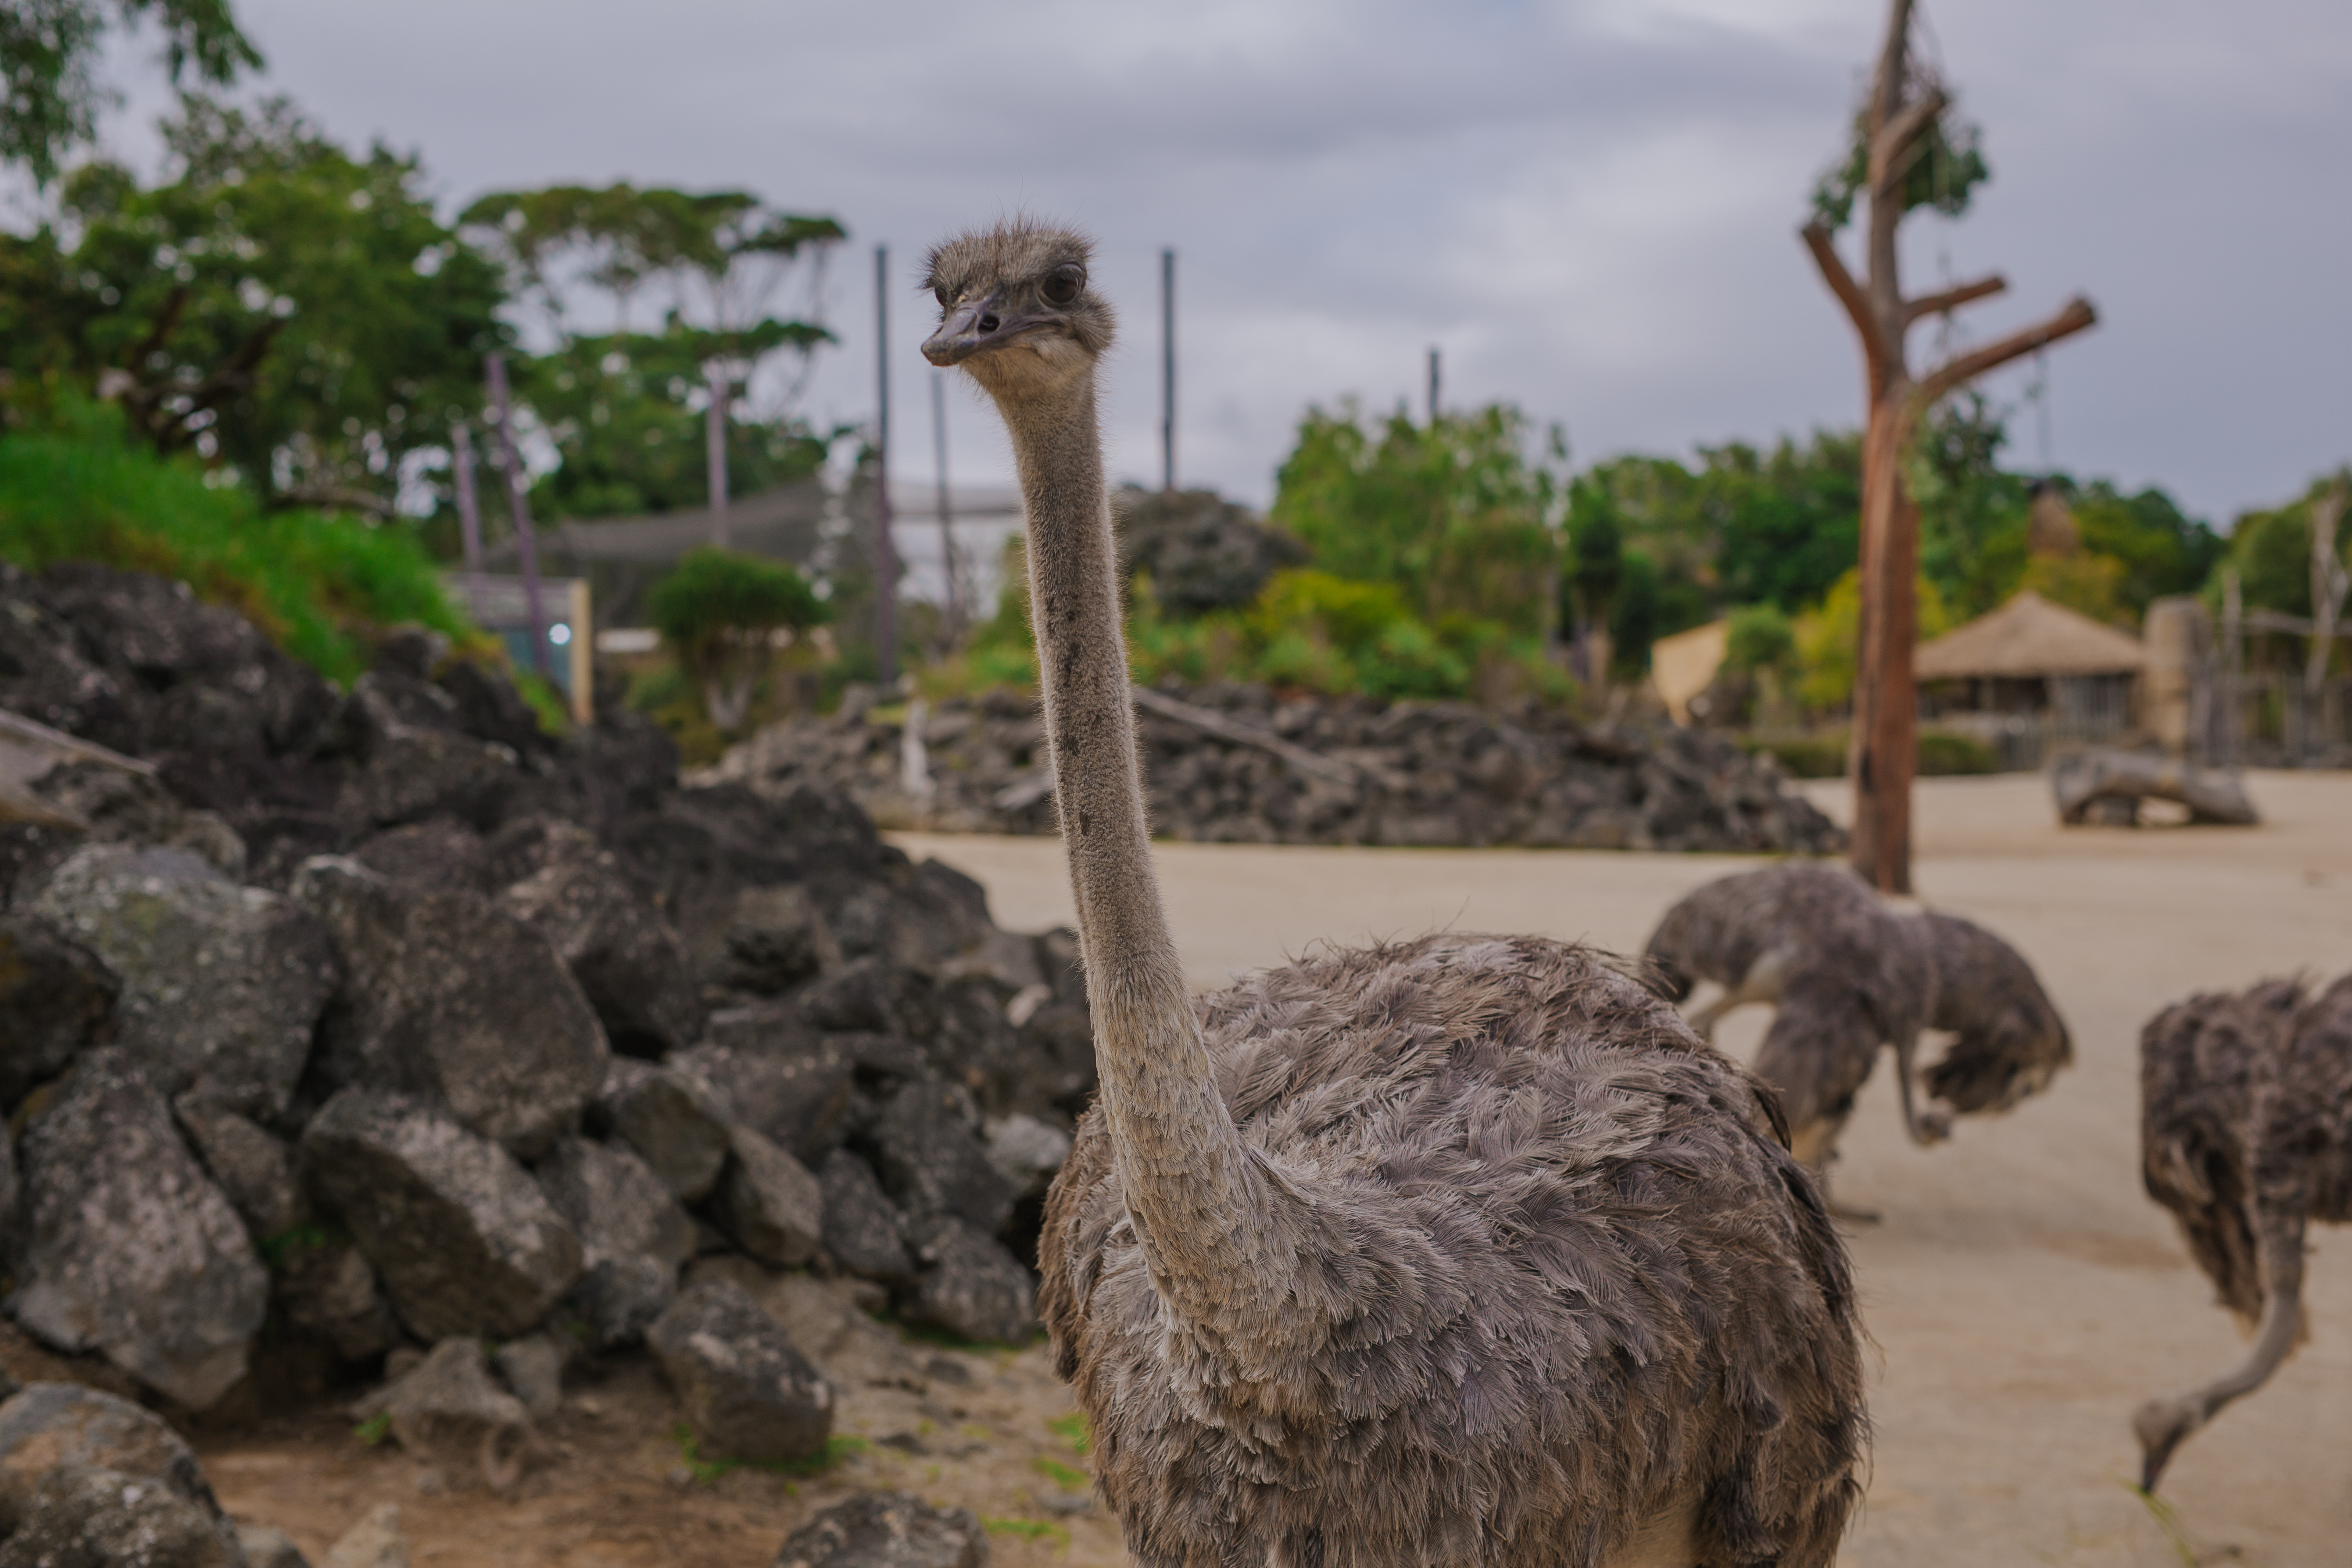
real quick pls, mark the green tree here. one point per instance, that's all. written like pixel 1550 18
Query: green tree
pixel 1451 513
pixel 1788 518
pixel 49 49
pixel 716 259
pixel 1972 515
pixel 295 315
pixel 718 611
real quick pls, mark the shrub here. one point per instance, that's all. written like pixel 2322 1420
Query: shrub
pixel 315 584
pixel 719 611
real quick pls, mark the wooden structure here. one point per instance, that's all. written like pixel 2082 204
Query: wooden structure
pixel 502 606
pixel 2032 675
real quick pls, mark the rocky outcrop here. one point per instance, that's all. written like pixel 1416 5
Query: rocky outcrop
pixel 221 984
pixel 449 999
pixel 1240 764
pixel 131 1249
pixel 886 1530
pixel 56 996
pixel 90 1480
pixel 465 1241
pixel 748 1392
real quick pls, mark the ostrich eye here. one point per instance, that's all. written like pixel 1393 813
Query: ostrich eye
pixel 1064 285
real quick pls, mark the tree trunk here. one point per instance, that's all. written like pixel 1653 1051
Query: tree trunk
pixel 1886 701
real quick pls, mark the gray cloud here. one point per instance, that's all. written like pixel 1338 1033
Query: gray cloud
pixel 1591 206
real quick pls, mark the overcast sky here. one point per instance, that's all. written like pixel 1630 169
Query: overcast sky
pixel 1590 204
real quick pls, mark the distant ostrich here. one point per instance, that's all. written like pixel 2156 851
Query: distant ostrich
pixel 1846 972
pixel 1459 1251
pixel 1843 973
pixel 2245 1135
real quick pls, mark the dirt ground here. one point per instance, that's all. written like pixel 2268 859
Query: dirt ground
pixel 2022 1293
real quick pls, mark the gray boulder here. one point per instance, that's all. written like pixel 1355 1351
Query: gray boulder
pixel 464 1240
pixel 625 954
pixel 49 1426
pixel 931 1162
pixel 746 1392
pixel 451 999
pixel 776 939
pixel 330 1293
pixel 633 1235
pixel 82 1517
pixel 221 985
pixel 771 1203
pixel 375 1541
pixel 792 1087
pixel 131 1249
pixel 861 1229
pixel 671 1117
pixel 969 1286
pixel 448 1412
pixel 56 996
pixel 411 766
pixel 886 1530
pixel 253 1168
pixel 267 1547
pixel 533 1368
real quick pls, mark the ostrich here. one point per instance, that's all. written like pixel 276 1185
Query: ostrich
pixel 1458 1251
pixel 1842 973
pixel 2246 1136
pixel 1846 972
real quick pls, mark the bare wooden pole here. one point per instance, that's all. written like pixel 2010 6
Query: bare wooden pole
pixel 469 507
pixel 1168 369
pixel 714 453
pixel 1432 385
pixel 886 552
pixel 1900 116
pixel 948 562
pixel 519 507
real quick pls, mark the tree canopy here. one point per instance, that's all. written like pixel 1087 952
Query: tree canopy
pixel 49 49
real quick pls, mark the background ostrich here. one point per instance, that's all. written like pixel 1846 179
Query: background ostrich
pixel 1459 1251
pixel 1842 972
pixel 1846 972
pixel 2245 1135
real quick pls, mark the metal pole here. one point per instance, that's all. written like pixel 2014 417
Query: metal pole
pixel 1433 386
pixel 470 509
pixel 947 505
pixel 1168 369
pixel 714 453
pixel 526 541
pixel 886 555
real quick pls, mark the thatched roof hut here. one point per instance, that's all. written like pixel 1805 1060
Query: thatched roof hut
pixel 2030 638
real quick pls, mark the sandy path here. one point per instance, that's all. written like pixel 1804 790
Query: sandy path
pixel 2023 1293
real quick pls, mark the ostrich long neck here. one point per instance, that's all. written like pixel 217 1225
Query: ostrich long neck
pixel 1193 1191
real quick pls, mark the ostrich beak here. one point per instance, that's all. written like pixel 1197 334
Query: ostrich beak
pixel 978 325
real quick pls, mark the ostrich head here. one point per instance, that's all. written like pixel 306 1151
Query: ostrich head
pixel 1015 308
pixel 2160 1425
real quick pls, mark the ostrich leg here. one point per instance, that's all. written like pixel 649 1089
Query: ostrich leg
pixel 2162 1424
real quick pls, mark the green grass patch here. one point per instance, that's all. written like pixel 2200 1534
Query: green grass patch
pixel 1942 754
pixel 1063 1476
pixel 1027 1530
pixel 374 1429
pixel 838 1448
pixel 315 584
pixel 1073 1430
pixel 276 1249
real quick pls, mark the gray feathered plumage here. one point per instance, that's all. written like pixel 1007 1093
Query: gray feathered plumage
pixel 1557 1270
pixel 2246 1137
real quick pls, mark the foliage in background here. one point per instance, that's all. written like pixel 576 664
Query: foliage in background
pixel 1828 636
pixel 316 584
pixel 625 407
pixel 1451 514
pixel 620 411
pixel 718 611
pixel 1947 170
pixel 293 313
pixel 49 49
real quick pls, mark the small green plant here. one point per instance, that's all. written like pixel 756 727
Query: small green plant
pixel 1027 1530
pixel 277 1249
pixel 720 612
pixel 1063 1476
pixel 837 1448
pixel 374 1429
pixel 1073 1430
